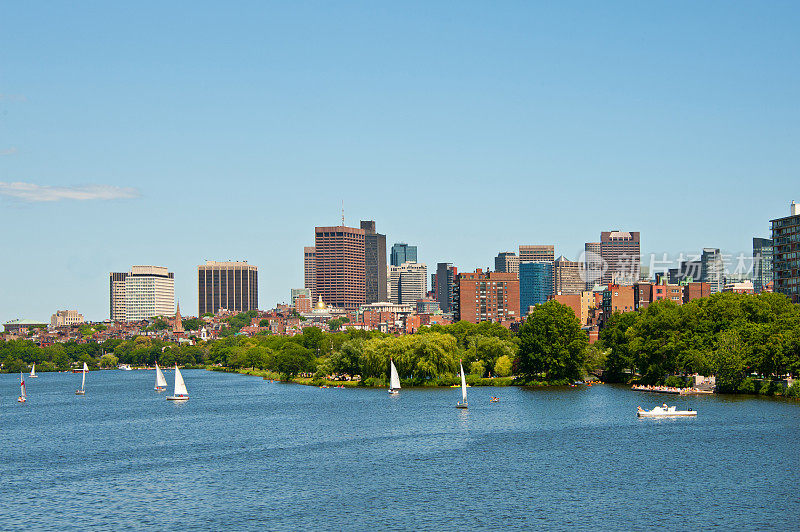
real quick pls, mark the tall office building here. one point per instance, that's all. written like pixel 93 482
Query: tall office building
pixel 310 269
pixel 445 286
pixel 506 262
pixel 226 285
pixel 785 250
pixel 535 284
pixel 567 277
pixel 117 296
pixel 762 264
pixel 409 282
pixel 592 265
pixel 492 296
pixel 712 269
pixel 142 293
pixel 340 269
pixel 620 251
pixel 543 253
pixel 402 252
pixel 374 263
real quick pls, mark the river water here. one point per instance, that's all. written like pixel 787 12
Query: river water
pixel 245 453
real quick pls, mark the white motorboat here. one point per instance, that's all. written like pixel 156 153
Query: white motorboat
pixel 664 411
pixel 394 380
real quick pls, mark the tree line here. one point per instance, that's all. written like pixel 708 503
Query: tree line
pixel 430 356
pixel 732 336
pixel 735 337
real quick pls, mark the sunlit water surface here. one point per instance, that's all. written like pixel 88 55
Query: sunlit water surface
pixel 245 453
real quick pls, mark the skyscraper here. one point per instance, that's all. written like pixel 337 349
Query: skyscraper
pixel 226 285
pixel 762 263
pixel 620 252
pixel 374 263
pixel 592 264
pixel 535 284
pixel 567 277
pixel 712 269
pixel 537 253
pixel 445 285
pixel 402 252
pixel 506 262
pixel 340 268
pixel 142 293
pixel 785 247
pixel 409 282
pixel 310 267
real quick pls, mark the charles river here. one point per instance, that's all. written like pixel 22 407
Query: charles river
pixel 245 453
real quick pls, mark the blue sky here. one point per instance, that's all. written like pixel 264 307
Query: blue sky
pixel 217 131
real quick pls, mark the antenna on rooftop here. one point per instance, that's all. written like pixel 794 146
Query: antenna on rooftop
pixel 342 212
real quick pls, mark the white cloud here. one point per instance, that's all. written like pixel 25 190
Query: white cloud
pixel 32 192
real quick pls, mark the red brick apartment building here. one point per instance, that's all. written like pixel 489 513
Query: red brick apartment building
pixel 491 296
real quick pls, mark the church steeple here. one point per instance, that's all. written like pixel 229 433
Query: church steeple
pixel 177 325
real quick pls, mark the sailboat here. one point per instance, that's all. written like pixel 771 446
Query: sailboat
pixel 22 395
pixel 161 382
pixel 463 403
pixel 82 391
pixel 394 379
pixel 180 388
pixel 33 374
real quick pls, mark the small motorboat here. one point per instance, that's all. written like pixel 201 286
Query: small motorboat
pixel 664 411
pixel 494 399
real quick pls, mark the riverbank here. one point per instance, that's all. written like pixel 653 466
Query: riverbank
pixel 441 382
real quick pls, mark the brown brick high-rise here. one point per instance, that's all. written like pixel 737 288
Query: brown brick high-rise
pixel 340 268
pixel 488 296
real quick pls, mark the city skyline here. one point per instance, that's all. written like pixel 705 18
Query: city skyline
pixel 190 297
pixel 108 153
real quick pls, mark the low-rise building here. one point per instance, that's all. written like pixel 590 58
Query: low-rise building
pixel 581 304
pixel 66 318
pixel 617 298
pixel 744 287
pixel 695 291
pixel 20 325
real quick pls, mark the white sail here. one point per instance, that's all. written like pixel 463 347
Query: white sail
pixel 394 380
pixel 161 382
pixel 180 386
pixel 463 385
pixel 22 386
pixel 83 380
pixel 33 370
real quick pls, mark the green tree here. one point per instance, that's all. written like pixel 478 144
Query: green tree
pixel 312 336
pixel 293 359
pixel 502 367
pixel 108 361
pixel 729 361
pixel 477 367
pixel 619 364
pixel 552 343
pixel 345 360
